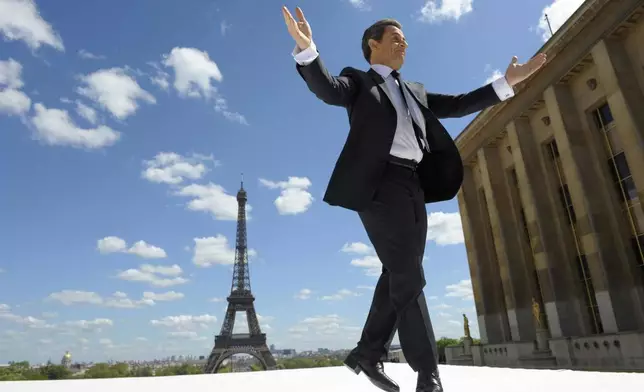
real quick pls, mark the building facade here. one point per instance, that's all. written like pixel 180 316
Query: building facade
pixel 551 203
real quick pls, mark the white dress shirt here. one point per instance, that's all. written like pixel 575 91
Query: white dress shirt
pixel 405 144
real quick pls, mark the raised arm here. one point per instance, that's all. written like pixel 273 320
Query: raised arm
pixel 449 106
pixel 338 91
pixel 461 105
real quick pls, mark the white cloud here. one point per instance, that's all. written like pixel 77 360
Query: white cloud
pixel 186 322
pixel 153 276
pixel 11 74
pixel 173 270
pixel 241 322
pixel 172 168
pixel 112 244
pixel 70 297
pixel 26 321
pixel 439 10
pixel 209 251
pixel 212 198
pixel 191 335
pixel 116 91
pixel 496 74
pixel 224 27
pixel 194 73
pixel 21 20
pixel 558 12
pixel 116 300
pixel 95 325
pixel 161 78
pixel 163 297
pixel 340 295
pixel 462 289
pixel 371 265
pixel 370 262
pixel 359 248
pixel 445 228
pixel 87 112
pixel 4 308
pixel 294 197
pixel 221 106
pixel 362 5
pixel 304 294
pixel 366 287
pixel 56 128
pixel 147 251
pixel 84 54
pixel 329 325
pixel 66 328
pixel 12 100
pixel 217 299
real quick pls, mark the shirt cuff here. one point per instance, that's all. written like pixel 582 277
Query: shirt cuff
pixel 306 56
pixel 502 88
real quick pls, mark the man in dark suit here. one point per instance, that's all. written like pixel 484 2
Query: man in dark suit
pixel 397 158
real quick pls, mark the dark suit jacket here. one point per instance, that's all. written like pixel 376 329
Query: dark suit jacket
pixel 373 121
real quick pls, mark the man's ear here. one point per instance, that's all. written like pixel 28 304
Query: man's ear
pixel 373 44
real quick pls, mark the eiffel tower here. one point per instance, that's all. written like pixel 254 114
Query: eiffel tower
pixel 240 299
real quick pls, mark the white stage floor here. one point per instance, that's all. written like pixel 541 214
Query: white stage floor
pixel 339 379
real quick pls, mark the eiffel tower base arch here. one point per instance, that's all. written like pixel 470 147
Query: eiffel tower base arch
pixel 219 355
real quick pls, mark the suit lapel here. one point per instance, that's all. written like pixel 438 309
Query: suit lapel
pixel 412 88
pixel 380 83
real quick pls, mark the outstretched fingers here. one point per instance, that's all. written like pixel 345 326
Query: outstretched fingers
pixel 300 14
pixel 289 20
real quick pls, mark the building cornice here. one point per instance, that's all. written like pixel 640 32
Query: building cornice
pixel 593 20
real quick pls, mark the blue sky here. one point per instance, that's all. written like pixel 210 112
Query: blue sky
pixel 124 130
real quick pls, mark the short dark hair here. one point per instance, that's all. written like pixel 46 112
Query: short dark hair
pixel 375 32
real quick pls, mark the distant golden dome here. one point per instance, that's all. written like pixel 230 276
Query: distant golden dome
pixel 67 355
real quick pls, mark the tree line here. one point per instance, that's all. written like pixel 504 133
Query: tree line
pixel 22 371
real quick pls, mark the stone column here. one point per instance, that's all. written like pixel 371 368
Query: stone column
pixel 598 225
pixel 486 283
pixel 547 233
pixel 626 102
pixel 516 281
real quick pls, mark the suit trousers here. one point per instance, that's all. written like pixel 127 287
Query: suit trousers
pixel 396 224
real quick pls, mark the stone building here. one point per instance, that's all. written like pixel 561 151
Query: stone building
pixel 551 203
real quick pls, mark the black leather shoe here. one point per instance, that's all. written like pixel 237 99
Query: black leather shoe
pixel 429 381
pixel 375 372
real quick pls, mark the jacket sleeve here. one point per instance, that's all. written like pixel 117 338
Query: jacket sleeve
pixel 453 106
pixel 333 90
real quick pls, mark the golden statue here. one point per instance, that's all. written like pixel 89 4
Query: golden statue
pixel 536 313
pixel 466 326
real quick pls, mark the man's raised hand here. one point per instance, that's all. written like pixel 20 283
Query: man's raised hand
pixel 516 73
pixel 299 29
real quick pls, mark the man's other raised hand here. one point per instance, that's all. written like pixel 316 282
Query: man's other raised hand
pixel 299 29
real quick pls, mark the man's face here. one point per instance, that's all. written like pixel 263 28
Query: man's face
pixel 391 49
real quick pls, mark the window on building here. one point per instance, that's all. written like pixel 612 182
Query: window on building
pixel 513 175
pixel 566 202
pixel 603 119
pixel 638 248
pixel 590 301
pixel 524 223
pixel 553 150
pixel 621 176
pixel 622 179
pixel 587 289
